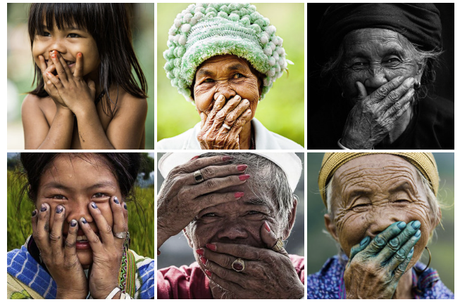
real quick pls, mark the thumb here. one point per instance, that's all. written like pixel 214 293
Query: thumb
pixel 269 238
pixel 92 86
pixel 362 92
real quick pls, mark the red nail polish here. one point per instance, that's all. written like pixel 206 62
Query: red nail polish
pixel 211 246
pixel 242 167
pixel 267 227
pixel 227 158
pixel 239 194
pixel 79 54
pixel 195 157
pixel 200 252
pixel 53 55
pixel 203 260
pixel 244 177
pixel 208 273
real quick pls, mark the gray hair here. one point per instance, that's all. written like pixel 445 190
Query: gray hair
pixel 269 182
pixel 430 59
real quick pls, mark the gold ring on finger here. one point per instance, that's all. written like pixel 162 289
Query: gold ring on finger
pixel 238 265
pixel 120 235
pixel 198 176
pixel 279 246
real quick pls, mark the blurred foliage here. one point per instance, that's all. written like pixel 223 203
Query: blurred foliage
pixel 19 208
pixel 282 109
pixel 322 246
pixel 20 70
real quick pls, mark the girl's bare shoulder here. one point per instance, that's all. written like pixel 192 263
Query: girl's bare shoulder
pixel 34 102
pixel 128 102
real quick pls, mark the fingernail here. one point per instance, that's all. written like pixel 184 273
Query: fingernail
pixel 417 234
pixel 227 158
pixel 200 252
pixel 242 167
pixel 239 194
pixel 411 252
pixel 244 177
pixel 365 241
pixel 34 212
pixel 211 246
pixel 43 208
pixel 208 273
pixel 83 220
pixel 93 205
pixel 195 157
pixel 203 260
pixel 416 224
pixel 115 200
pixel 79 54
pixel 59 209
pixel 125 206
pixel 401 225
pixel 73 223
pixel 267 227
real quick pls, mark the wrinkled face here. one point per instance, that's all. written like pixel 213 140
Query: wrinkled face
pixel 68 42
pixel 227 75
pixel 236 222
pixel 375 56
pixel 74 182
pixel 371 192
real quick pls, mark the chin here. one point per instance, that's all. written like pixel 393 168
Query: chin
pixel 85 258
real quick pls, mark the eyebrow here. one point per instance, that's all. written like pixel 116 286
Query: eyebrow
pixel 256 202
pixel 207 73
pixel 58 185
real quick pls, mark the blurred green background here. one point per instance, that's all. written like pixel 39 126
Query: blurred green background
pixel 282 109
pixel 140 223
pixel 20 65
pixel 322 246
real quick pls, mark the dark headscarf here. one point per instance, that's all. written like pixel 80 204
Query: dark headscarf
pixel 420 23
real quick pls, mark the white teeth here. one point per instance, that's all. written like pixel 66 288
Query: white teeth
pixel 82 238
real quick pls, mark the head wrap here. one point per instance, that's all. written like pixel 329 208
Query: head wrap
pixel 205 30
pixel 424 162
pixel 290 163
pixel 420 23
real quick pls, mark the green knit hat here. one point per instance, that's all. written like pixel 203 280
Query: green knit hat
pixel 205 30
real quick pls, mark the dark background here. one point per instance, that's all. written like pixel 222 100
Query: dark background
pixel 320 92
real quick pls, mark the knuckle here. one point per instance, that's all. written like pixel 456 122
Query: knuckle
pixel 220 116
pixel 207 172
pixel 54 237
pixel 108 229
pixel 393 96
pixel 382 91
pixel 210 184
pixel 95 239
pixel 70 243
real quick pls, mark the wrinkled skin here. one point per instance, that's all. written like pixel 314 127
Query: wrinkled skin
pixel 226 91
pixel 378 77
pixel 247 229
pixel 76 197
pixel 370 196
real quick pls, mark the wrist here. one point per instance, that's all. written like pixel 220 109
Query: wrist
pixel 71 294
pixel 82 109
pixel 353 144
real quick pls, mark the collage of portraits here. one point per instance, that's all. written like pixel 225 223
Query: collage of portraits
pixel 264 150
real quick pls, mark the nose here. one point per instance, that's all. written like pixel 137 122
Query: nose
pixel 232 230
pixel 225 89
pixel 376 78
pixel 57 44
pixel 380 219
pixel 78 209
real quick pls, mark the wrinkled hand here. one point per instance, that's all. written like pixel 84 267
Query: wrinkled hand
pixel 72 89
pixel 376 266
pixel 235 113
pixel 374 116
pixel 267 274
pixel 60 257
pixel 181 198
pixel 107 249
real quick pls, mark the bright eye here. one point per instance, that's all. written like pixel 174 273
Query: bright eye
pixel 73 35
pixel 100 195
pixel 237 76
pixel 209 215
pixel 358 65
pixel 58 196
pixel 44 34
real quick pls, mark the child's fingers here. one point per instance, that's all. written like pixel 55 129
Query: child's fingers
pixel 59 68
pixel 93 239
pixel 53 80
pixel 42 64
pixel 105 230
pixel 70 251
pixel 64 65
pixel 56 232
pixel 79 66
pixel 41 230
pixel 120 223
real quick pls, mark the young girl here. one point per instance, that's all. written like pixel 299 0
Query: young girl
pixel 79 244
pixel 87 95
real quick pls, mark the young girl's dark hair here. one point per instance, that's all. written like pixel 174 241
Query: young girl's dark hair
pixel 125 167
pixel 109 25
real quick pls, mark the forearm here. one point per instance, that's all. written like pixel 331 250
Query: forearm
pixel 60 132
pixel 90 130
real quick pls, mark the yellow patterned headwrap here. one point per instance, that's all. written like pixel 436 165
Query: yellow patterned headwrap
pixel 423 161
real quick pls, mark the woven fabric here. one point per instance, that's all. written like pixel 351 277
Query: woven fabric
pixel 423 161
pixel 205 30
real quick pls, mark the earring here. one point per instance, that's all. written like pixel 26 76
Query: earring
pixel 429 261
pixel 343 96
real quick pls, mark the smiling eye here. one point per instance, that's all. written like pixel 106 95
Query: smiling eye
pixel 208 80
pixel 100 195
pixel 58 196
pixel 237 75
pixel 73 35
pixel 209 215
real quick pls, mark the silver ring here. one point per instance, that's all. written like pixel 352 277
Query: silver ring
pixel 279 246
pixel 198 177
pixel 226 126
pixel 120 235
pixel 238 265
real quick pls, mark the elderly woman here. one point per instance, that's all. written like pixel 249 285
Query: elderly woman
pixel 80 243
pixel 382 210
pixel 382 57
pixel 235 210
pixel 225 58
